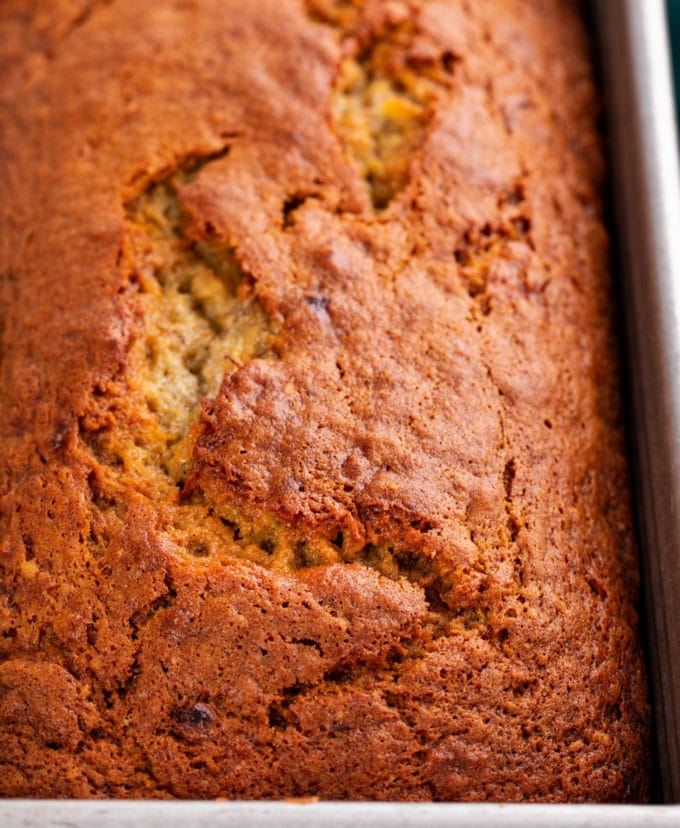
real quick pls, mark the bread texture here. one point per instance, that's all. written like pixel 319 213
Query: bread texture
pixel 312 470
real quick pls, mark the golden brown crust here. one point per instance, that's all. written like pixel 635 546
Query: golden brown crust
pixel 392 557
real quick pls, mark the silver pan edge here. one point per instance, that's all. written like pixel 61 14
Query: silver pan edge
pixel 646 188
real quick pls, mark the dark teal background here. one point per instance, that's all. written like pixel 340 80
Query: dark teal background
pixel 674 21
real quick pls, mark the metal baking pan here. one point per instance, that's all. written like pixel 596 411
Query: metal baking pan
pixel 633 42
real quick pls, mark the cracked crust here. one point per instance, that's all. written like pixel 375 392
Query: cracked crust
pixel 312 474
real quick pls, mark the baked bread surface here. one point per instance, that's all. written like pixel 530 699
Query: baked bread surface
pixel 312 476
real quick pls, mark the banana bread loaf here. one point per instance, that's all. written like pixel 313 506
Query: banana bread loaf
pixel 312 475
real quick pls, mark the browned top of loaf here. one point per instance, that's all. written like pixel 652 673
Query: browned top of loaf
pixel 390 555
